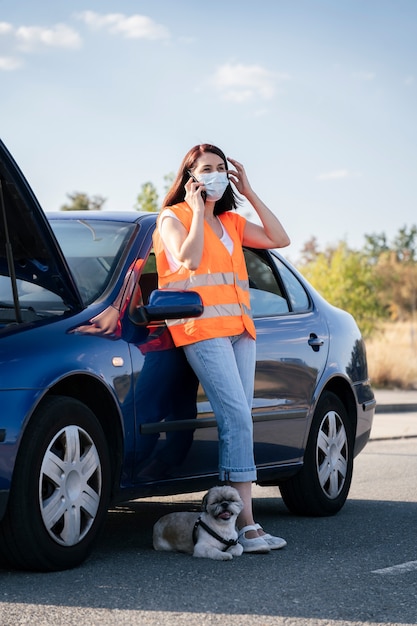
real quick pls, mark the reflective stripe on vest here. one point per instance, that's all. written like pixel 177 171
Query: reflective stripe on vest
pixel 208 280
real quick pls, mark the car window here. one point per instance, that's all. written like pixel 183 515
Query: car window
pixel 149 278
pixel 297 295
pixel 35 302
pixel 266 296
pixel 273 292
pixel 92 249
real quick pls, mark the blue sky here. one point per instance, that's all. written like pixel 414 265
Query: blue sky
pixel 318 99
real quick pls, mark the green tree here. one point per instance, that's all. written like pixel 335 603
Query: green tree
pixel 398 285
pixel 309 251
pixel 168 179
pixel 395 267
pixel 82 202
pixel 347 280
pixel 405 244
pixel 147 199
pixel 375 245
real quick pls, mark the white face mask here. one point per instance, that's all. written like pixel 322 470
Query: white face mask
pixel 215 184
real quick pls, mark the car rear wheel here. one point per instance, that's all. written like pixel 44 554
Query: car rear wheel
pixel 60 489
pixel 322 485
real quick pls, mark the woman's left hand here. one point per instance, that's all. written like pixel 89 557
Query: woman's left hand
pixel 271 234
pixel 238 177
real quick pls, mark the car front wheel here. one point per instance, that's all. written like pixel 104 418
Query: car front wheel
pixel 60 489
pixel 322 485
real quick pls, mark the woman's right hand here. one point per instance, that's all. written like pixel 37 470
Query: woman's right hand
pixel 186 246
pixel 193 195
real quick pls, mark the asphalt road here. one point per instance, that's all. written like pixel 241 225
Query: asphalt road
pixel 359 567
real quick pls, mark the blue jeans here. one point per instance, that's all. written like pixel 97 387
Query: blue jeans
pixel 225 367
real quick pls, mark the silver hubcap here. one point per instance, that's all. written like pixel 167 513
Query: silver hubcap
pixel 70 486
pixel 332 455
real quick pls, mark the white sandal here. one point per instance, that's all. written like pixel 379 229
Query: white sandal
pixel 274 543
pixel 256 544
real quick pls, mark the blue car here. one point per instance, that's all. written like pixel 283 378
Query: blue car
pixel 96 412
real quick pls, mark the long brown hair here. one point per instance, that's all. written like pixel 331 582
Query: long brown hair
pixel 176 194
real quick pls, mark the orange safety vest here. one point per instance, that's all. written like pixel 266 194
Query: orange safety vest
pixel 221 280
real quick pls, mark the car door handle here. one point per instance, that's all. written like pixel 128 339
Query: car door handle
pixel 315 342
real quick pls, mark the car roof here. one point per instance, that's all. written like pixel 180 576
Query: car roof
pixel 111 216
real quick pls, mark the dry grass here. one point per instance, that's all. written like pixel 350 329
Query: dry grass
pixel 392 356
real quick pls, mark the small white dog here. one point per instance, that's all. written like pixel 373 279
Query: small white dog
pixel 211 534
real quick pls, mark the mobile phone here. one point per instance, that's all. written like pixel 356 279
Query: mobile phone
pixel 203 193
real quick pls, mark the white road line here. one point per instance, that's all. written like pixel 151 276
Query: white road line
pixel 403 568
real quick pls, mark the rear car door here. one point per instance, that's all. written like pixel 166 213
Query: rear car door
pixel 292 349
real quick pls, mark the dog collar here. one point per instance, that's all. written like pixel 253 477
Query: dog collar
pixel 227 542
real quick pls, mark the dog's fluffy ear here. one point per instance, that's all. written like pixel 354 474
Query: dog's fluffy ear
pixel 204 503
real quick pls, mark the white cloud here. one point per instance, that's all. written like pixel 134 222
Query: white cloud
pixel 5 28
pixel 8 64
pixel 29 38
pixel 58 36
pixel 131 27
pixel 336 174
pixel 239 83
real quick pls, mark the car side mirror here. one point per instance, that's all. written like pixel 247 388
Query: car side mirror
pixel 167 304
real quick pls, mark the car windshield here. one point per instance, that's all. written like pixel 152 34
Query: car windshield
pixel 92 249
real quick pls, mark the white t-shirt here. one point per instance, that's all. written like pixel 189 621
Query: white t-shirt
pixel 174 265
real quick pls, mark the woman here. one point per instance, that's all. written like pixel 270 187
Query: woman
pixel 198 246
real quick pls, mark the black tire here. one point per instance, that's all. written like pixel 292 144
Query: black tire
pixel 60 489
pixel 322 485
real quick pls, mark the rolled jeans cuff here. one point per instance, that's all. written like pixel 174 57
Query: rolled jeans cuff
pixel 237 476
